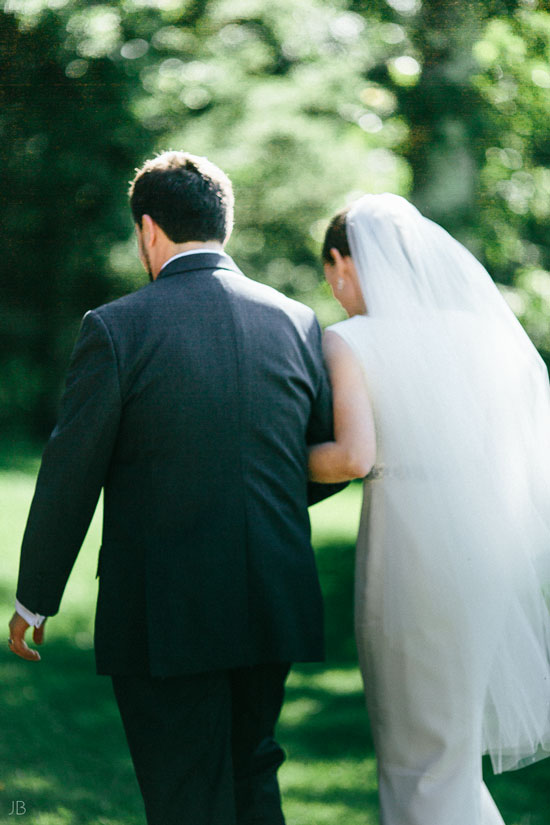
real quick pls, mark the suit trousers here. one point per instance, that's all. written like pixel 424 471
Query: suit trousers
pixel 203 745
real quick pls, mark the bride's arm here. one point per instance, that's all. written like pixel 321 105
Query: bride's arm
pixel 353 451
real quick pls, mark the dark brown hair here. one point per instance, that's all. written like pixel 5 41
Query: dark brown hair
pixel 186 195
pixel 336 236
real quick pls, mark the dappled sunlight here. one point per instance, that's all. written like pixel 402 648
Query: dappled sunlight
pixel 336 680
pixel 30 781
pixel 320 814
pixel 298 711
pixel 63 750
pixel 323 791
pixel 59 816
pixel 335 776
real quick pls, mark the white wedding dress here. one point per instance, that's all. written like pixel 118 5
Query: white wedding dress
pixel 453 553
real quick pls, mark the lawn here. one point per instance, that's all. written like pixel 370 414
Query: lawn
pixel 62 750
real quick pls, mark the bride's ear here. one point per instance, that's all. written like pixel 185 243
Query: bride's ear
pixel 331 274
pixel 338 260
pixel 337 273
pixel 343 264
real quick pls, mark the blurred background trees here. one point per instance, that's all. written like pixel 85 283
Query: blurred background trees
pixel 304 103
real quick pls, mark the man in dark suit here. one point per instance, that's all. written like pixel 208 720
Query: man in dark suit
pixel 191 402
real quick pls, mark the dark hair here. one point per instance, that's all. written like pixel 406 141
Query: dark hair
pixel 336 236
pixel 186 195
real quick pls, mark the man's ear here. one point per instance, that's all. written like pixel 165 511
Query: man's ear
pixel 148 231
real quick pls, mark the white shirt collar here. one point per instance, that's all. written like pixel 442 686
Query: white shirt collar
pixel 191 252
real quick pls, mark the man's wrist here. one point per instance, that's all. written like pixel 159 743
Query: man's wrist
pixel 34 619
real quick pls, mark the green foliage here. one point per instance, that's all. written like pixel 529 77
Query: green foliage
pixel 67 145
pixel 305 103
pixel 513 81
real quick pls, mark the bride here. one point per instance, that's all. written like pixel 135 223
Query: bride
pixel 433 374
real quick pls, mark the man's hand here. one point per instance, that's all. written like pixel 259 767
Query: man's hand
pixel 17 643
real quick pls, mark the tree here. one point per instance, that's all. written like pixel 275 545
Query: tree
pixel 305 103
pixel 68 143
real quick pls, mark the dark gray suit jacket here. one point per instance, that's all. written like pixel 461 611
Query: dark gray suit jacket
pixel 191 401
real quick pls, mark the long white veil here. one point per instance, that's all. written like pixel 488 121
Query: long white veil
pixel 462 496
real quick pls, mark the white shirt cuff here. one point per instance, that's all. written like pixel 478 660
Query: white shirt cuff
pixel 34 619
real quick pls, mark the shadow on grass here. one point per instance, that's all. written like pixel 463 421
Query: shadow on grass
pixel 20 455
pixel 523 796
pixel 326 735
pixel 62 751
pixel 64 756
pixel 333 725
pixel 335 562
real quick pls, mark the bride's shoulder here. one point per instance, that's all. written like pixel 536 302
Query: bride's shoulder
pixel 350 327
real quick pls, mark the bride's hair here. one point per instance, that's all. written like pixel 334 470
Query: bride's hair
pixel 336 236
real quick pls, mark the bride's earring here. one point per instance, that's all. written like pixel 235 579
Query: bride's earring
pixel 340 284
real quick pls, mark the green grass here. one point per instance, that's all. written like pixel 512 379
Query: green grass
pixel 62 749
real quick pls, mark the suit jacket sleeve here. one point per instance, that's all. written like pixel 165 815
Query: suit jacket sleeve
pixel 73 469
pixel 320 427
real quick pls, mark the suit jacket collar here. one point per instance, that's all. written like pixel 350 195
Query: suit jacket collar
pixel 199 260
